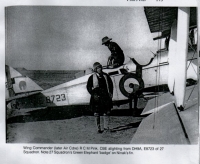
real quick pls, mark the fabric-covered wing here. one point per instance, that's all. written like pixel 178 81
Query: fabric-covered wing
pixel 166 125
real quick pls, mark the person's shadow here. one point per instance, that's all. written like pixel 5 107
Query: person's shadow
pixel 60 113
pixel 125 127
pixel 54 113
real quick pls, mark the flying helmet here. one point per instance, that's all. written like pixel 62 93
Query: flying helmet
pixel 95 65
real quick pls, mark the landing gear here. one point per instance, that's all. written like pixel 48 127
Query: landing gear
pixel 129 85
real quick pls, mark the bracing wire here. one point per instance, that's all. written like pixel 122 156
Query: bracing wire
pixel 192 57
pixel 194 71
pixel 158 68
pixel 190 95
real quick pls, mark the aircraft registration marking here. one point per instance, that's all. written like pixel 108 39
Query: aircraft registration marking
pixel 55 98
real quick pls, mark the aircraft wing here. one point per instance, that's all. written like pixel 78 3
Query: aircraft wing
pixel 165 124
pixel 160 19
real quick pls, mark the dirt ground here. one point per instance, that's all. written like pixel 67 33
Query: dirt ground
pixel 70 126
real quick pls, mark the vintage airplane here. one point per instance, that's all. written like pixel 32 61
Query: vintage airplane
pixel 165 124
pixel 130 80
pixel 171 70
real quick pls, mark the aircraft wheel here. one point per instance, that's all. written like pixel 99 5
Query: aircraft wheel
pixel 130 83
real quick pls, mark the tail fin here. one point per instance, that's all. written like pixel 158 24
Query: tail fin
pixel 17 84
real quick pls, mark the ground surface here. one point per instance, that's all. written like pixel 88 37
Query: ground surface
pixel 74 130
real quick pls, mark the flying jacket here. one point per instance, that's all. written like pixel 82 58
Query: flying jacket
pixel 101 87
pixel 116 53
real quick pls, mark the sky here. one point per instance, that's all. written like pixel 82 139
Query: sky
pixel 70 38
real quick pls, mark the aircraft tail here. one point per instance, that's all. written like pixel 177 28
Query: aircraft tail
pixel 17 84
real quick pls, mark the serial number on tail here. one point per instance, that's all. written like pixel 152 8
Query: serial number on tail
pixel 55 98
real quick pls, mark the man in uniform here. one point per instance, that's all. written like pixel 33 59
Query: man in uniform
pixel 100 87
pixel 116 58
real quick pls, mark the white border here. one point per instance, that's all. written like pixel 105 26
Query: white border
pixel 12 153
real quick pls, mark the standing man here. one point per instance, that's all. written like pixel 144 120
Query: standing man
pixel 116 58
pixel 100 87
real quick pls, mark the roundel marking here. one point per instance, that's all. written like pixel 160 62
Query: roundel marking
pixel 22 85
pixel 130 83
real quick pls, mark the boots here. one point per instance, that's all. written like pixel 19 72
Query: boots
pixel 97 120
pixel 106 120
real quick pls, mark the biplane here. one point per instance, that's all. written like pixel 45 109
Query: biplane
pixel 172 70
pixel 128 79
